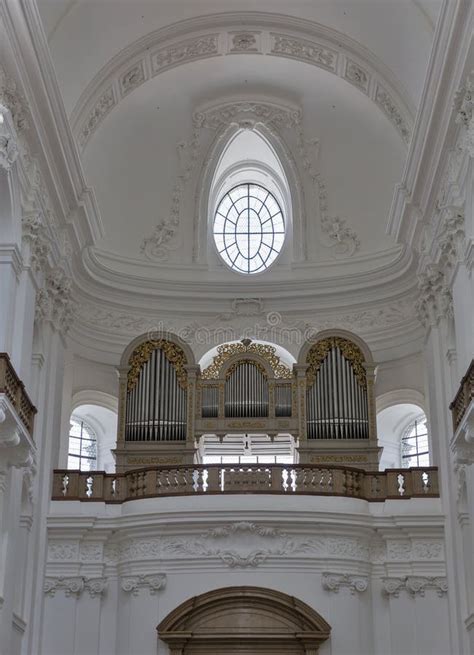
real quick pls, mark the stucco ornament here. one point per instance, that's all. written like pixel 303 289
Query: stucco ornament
pixel 464 106
pixel 162 241
pixel 8 144
pixel 14 101
pixel 54 302
pixel 243 544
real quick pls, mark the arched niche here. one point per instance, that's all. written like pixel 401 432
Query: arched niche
pixel 243 619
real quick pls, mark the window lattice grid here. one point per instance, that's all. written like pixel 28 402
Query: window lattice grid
pixel 415 446
pixel 249 228
pixel 82 452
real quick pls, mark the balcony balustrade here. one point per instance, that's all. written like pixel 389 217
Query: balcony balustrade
pixel 463 398
pixel 99 486
pixel 12 390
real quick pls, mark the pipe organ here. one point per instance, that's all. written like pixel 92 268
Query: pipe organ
pixel 336 392
pixel 246 391
pixel 156 398
pixel 325 400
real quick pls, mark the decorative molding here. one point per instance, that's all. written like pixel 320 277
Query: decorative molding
pixel 265 351
pixel 54 302
pixel 73 586
pixel 435 298
pixel 245 42
pixel 133 583
pixel 14 101
pixel 343 241
pixel 230 545
pixel 392 586
pixel 263 34
pixel 100 110
pixel 132 78
pixel 162 241
pixel 248 114
pixel 35 234
pixel 291 47
pixel 184 52
pixel 390 109
pixel 91 552
pixel 243 307
pixel 464 106
pixel 8 143
pixel 357 75
pixel 334 581
pixel 95 586
pixel 204 331
pixel 63 551
pixel 406 550
pixel 414 585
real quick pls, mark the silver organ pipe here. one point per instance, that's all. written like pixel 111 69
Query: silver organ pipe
pixel 336 401
pixel 156 405
pixel 282 400
pixel 210 401
pixel 246 392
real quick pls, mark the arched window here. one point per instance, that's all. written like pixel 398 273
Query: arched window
pixel 415 449
pixel 250 217
pixel 82 453
pixel 249 228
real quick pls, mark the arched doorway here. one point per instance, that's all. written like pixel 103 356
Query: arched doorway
pixel 243 620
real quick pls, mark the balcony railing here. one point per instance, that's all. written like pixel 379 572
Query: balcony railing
pixel 236 479
pixel 14 390
pixel 463 397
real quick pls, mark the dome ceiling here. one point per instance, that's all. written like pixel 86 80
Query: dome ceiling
pixel 148 87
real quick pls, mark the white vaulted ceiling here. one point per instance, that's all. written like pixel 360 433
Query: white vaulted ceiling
pixel 355 70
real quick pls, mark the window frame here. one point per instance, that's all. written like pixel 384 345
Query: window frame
pixel 278 216
pixel 408 435
pixel 84 427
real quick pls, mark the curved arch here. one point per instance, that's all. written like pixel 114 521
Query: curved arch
pixel 232 351
pixel 93 397
pixel 255 617
pixel 217 35
pixel 400 397
pixel 246 357
pixel 154 336
pixel 344 334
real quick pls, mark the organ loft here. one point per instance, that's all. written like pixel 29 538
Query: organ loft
pixel 323 403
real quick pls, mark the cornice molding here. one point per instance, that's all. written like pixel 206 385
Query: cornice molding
pixel 228 34
pixel 435 130
pixel 101 276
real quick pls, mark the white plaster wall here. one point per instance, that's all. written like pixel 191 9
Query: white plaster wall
pixel 287 546
pixel 404 373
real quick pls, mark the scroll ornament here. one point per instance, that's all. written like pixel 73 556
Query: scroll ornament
pixel 143 352
pixel 350 351
pixel 228 350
